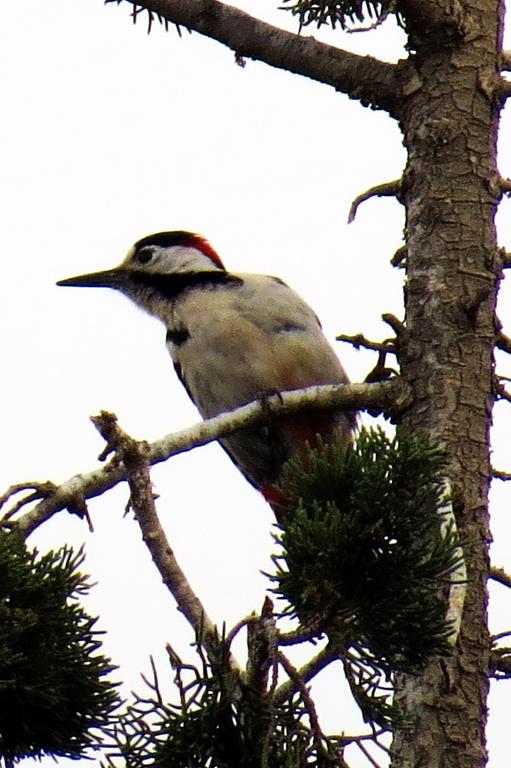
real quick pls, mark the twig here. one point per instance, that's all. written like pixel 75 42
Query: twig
pixel 388 189
pixel 307 672
pixel 134 457
pixel 359 340
pixel 502 392
pixel 379 21
pixel 499 575
pixel 503 342
pixel 262 643
pixel 300 635
pixel 252 619
pixel 505 61
pixel 386 396
pixel 500 663
pixel 503 91
pixel 499 474
pixel 505 258
pixel 505 183
pixel 367 754
pixel 299 685
pixel 400 257
pixel 345 740
pixel 39 491
pixel 395 323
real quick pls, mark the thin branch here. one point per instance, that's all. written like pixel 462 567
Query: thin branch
pixel 262 644
pixel 367 754
pixel 379 21
pixel 39 491
pixel 501 391
pixel 505 61
pixel 307 672
pixel 503 343
pixel 388 396
pixel 397 325
pixel 299 685
pixel 500 475
pixel 500 663
pixel 388 189
pixel 505 259
pixel 300 635
pixel 364 78
pixel 359 340
pixel 373 736
pixel 133 455
pixel 504 183
pixel 499 575
pixel 399 258
pixel 502 90
pixel 236 629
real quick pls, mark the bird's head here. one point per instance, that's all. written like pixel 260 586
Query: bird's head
pixel 158 268
pixel 164 253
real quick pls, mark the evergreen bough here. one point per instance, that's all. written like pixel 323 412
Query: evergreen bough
pixel 367 555
pixel 211 726
pixel 342 12
pixel 53 691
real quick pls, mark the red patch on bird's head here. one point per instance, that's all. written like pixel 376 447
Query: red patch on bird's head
pixel 203 245
pixel 183 238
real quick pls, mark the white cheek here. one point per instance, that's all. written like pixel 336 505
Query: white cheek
pixel 181 258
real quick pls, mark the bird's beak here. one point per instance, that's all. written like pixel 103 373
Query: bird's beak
pixel 110 278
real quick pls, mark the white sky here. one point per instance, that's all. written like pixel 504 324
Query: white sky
pixel 108 134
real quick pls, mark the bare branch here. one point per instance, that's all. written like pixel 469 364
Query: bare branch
pixel 133 456
pixel 500 475
pixel 505 257
pixel 501 391
pixel 388 189
pixel 262 643
pixel 388 396
pixel 504 183
pixel 505 61
pixel 364 78
pixel 359 340
pixel 39 491
pixel 503 342
pixel 502 90
pixel 500 663
pixel 367 754
pixel 307 672
pixel 397 325
pixel 499 575
pixel 299 685
pixel 399 258
pixel 373 737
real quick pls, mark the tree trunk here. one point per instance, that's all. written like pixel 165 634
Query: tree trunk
pixel 451 191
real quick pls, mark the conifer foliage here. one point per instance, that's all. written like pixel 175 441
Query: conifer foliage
pixel 367 547
pixel 342 12
pixel 53 686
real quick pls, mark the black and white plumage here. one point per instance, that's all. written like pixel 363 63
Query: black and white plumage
pixel 233 338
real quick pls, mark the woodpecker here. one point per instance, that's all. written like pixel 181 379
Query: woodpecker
pixel 233 338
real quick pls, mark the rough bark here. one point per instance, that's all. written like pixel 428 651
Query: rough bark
pixel 451 190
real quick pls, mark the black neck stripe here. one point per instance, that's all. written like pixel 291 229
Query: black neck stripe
pixel 171 286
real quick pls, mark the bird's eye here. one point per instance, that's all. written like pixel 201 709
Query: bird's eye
pixel 144 255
